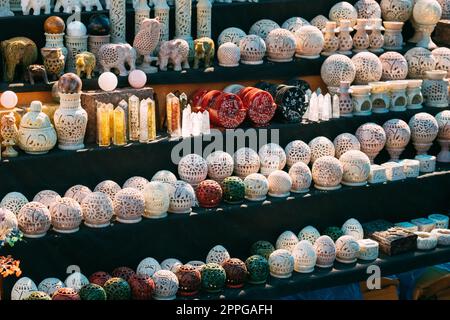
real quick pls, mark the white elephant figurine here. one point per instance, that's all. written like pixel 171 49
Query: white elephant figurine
pixel 89 4
pixel 176 52
pixel 36 5
pixel 69 6
pixel 115 56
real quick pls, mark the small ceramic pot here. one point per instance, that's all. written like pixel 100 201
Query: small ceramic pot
pixel 393 38
pixel 377 174
pixel 427 163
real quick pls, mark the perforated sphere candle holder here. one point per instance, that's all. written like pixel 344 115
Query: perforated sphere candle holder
pixel 34 220
pixel 66 294
pixel 287 240
pixel 246 161
pixel 136 182
pixel 281 264
pixel 297 151
pixel 280 184
pixel 228 55
pixel 166 285
pixel 193 169
pixel 419 60
pixel 321 147
pixel 209 193
pixel 156 199
pixel 50 285
pixel 280 45
pixel 66 215
pixel 164 176
pixel 424 129
pixel 213 277
pixel 262 248
pixel 345 142
pixel 13 201
pixel 426 14
pixel 368 9
pixel 258 269
pixel 171 264
pixel 304 257
pixel 337 68
pixel 233 190
pixel 78 193
pixel 347 249
pixel 23 288
pixel 294 23
pixel 343 11
pixel 442 58
pixel 148 266
pixel 301 177
pixel 269 150
pixel 398 135
pixel 218 254
pixel 189 280
pixel 256 187
pixel 108 187
pixel 117 289
pixel 372 139
pixel 319 21
pixel 353 228
pixel 253 49
pixel 97 210
pixel 333 232
pixel 99 278
pixel 129 205
pixel 394 66
pixel 231 34
pixel 46 197
pixel 327 173
pixel 220 165
pixel 443 120
pixel 396 10
pixel 368 67
pixel 356 166
pixel 182 197
pixel 76 281
pixel 325 251
pixel 92 291
pixel 236 272
pixel 263 27
pixel 309 42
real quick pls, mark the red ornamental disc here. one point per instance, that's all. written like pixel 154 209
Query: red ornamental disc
pixel 227 111
pixel 260 106
pixel 99 277
pixel 196 100
pixel 209 99
pixel 209 193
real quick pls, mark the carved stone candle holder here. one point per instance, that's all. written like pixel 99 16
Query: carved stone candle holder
pixel 362 104
pixel 393 38
pixel 399 100
pixel 414 93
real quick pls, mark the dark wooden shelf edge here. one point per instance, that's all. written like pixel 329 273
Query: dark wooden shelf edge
pixel 323 278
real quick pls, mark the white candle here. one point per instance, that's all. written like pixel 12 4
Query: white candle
pixel 186 125
pixel 336 111
pixel 206 128
pixel 313 108
pixel 143 121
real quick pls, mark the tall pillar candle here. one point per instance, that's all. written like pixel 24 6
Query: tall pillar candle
pixel 162 12
pixel 120 129
pixel 143 121
pixel 141 12
pixel 133 118
pixel 204 18
pixel 117 15
pixel 103 128
pixel 151 120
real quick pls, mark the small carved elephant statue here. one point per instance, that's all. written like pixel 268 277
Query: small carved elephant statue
pixel 37 71
pixel 85 63
pixel 204 50
pixel 36 5
pixel 17 51
pixel 69 6
pixel 176 52
pixel 115 56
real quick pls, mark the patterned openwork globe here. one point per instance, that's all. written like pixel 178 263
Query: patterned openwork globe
pixel 368 68
pixel 372 138
pixel 213 277
pixel 38 295
pixel 233 190
pixel 13 201
pixel 34 220
pixel 193 169
pixel 272 157
pixel 231 34
pixel 301 177
pixel 398 135
pixel 353 228
pixel 50 285
pixel 166 285
pixel 337 68
pixel 296 151
pixel 66 215
pixel 78 193
pixel 280 184
pixel 236 272
pixel 136 182
pixel 347 249
pixel 129 205
pixel 46 197
pixel 108 187
pixel 123 272
pixel 189 280
pixel 220 165
pixel 209 193
pixel 356 166
pixel 321 147
pixel 294 23
pixel 97 210
pixel 157 200
pixel 182 197
pixel 258 269
pixel 92 291
pixel 309 42
pixel 76 281
pixel 419 61
pixel 281 264
pixel 171 264
pixel 99 278
pixel 343 11
pixel 442 56
pixel 287 240
pixel 443 120
pixel 345 142
pixel 263 27
pixel 262 248
pixel 66 294
pixel 165 176
pixel 395 66
pixel 142 287
pixel 424 128
pixel 8 220
pixel 218 254
pixel 256 187
pixel 23 288
pixel 280 45
pixel 253 49
pixel 325 251
pixel 117 289
pixel 309 233
pixel 304 257
pixel 148 266
pixel 327 173
pixel 246 162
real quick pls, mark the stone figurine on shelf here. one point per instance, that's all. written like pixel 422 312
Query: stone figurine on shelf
pixel 146 41
pixel 17 51
pixel 204 51
pixel 36 5
pixel 175 52
pixel 85 63
pixel 37 71
pixel 9 132
pixel 68 6
pixel 54 61
pixel 115 56
pixel 5 9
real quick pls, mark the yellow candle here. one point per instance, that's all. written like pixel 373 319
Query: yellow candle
pixel 103 127
pixel 151 119
pixel 120 133
pixel 110 108
pixel 169 99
